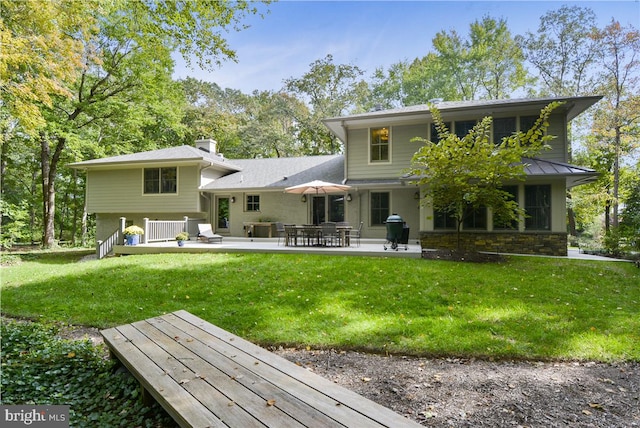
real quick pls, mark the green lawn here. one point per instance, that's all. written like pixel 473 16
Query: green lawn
pixel 527 307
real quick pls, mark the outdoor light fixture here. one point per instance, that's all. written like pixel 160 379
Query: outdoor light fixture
pixel 233 199
pixel 303 198
pixel 416 196
pixel 348 197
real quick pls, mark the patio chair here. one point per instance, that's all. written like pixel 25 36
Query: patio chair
pixel 206 233
pixel 282 233
pixel 291 235
pixel 356 233
pixel 330 233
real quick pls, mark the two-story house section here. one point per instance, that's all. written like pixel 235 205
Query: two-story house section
pixel 379 146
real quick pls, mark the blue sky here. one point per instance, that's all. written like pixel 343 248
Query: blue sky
pixel 368 34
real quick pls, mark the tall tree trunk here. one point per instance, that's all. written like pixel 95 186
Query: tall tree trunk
pixel 616 178
pixel 49 164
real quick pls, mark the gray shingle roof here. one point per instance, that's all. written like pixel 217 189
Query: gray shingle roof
pixel 278 173
pixel 171 154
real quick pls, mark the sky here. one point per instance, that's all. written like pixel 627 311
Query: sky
pixel 368 34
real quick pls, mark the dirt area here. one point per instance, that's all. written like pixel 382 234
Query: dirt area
pixel 473 393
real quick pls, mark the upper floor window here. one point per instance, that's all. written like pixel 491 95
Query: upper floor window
pixel 380 208
pixel 527 122
pixel 503 127
pixel 537 204
pixel 379 145
pixel 463 127
pixel 434 131
pixel 253 203
pixel 160 180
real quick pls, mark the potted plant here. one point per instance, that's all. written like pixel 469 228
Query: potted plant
pixel 181 237
pixel 132 234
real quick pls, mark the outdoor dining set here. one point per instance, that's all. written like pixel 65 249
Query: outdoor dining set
pixel 329 234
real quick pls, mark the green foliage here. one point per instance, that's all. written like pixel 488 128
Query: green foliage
pixel 330 90
pixel 182 236
pixel 462 174
pixel 562 52
pixel 527 307
pixel 40 368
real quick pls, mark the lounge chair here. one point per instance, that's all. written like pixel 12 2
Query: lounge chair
pixel 206 233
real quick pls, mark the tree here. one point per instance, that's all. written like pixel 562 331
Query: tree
pixel 498 58
pixel 562 51
pixel 125 72
pixel 486 64
pixel 618 118
pixel 330 90
pixel 41 53
pixel 460 175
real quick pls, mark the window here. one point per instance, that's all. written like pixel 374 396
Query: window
pixel 160 180
pixel 253 203
pixel 537 204
pixel 475 219
pixel 379 146
pixel 503 127
pixel 434 132
pixel 336 208
pixel 497 224
pixel 463 127
pixel 527 122
pixel 442 220
pixel 379 208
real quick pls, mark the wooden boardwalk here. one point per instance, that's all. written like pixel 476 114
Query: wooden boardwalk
pixel 205 376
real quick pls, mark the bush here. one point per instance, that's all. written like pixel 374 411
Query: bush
pixel 40 368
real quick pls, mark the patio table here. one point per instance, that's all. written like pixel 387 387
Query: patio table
pixel 311 235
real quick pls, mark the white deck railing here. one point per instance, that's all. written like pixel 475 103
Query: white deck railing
pixel 154 231
pixel 163 230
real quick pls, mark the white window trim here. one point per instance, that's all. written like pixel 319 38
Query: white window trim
pixel 388 161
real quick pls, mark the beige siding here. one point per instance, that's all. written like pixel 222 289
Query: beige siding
pixel 402 150
pixel 558 145
pixel 118 191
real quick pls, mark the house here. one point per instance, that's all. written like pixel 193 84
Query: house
pixel 201 183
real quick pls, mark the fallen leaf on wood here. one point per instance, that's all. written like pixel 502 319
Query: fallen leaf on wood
pixel 271 402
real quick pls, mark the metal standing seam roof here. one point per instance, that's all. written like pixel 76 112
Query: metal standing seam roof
pixel 278 173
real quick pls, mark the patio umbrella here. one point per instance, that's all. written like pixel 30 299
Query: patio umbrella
pixel 316 187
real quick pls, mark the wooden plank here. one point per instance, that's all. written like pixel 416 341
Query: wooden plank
pixel 204 346
pixel 198 389
pixel 171 396
pixel 231 392
pixel 321 393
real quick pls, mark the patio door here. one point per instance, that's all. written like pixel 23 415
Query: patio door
pixel 222 214
pixel 327 208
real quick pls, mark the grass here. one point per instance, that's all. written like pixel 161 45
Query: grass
pixel 527 307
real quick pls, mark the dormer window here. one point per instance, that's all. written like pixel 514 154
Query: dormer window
pixel 160 180
pixel 379 144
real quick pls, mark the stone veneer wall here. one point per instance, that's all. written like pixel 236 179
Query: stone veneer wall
pixel 543 243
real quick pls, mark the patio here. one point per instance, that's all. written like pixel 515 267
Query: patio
pixel 368 247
